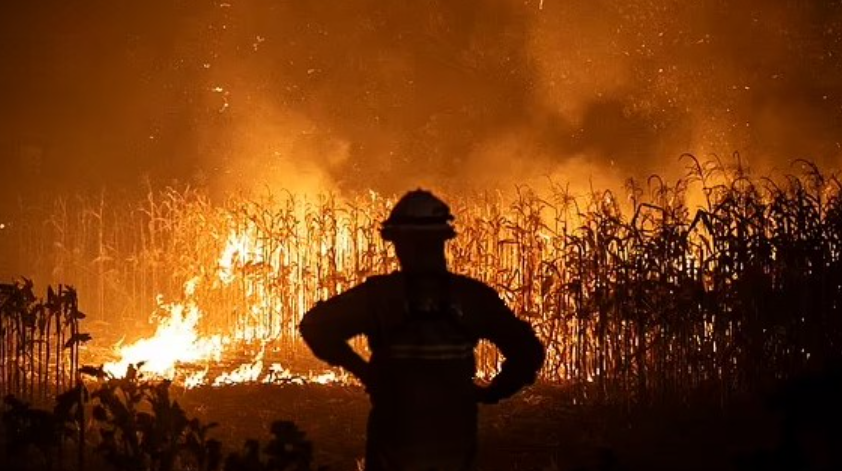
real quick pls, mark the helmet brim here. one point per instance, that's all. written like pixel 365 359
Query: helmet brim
pixel 413 231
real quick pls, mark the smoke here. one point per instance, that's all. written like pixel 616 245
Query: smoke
pixel 380 94
pixel 389 95
pixel 630 86
pixel 642 82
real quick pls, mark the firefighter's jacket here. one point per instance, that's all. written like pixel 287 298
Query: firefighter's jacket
pixel 422 330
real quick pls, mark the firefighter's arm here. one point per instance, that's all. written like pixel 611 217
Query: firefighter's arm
pixel 522 351
pixel 327 327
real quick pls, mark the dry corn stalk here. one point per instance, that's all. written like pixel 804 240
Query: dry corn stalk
pixel 639 301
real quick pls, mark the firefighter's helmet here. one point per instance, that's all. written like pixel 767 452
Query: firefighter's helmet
pixel 418 213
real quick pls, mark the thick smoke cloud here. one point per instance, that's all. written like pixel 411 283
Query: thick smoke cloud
pixel 635 84
pixel 364 93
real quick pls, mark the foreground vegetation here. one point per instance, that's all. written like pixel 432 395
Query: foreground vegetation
pixel 797 428
pixel 135 426
pixel 40 341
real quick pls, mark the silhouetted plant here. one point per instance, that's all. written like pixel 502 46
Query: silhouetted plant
pixel 142 429
pixel 39 341
pixel 288 450
pixel 31 429
pixel 27 429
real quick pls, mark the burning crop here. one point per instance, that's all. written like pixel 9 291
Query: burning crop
pixel 666 289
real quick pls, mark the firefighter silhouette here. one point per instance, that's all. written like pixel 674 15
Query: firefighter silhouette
pixel 422 324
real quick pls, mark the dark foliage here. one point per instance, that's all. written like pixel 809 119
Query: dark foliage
pixel 39 341
pixel 288 450
pixel 30 429
pixel 141 428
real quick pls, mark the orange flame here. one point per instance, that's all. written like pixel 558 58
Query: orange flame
pixel 177 341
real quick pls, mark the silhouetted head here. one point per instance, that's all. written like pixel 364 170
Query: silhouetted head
pixel 419 226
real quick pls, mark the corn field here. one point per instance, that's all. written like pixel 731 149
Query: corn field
pixel 639 297
pixel 39 341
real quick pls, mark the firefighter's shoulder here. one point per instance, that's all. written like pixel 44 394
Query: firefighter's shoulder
pixel 383 279
pixel 382 284
pixel 472 288
pixel 380 277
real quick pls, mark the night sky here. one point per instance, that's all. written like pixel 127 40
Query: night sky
pixel 364 93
